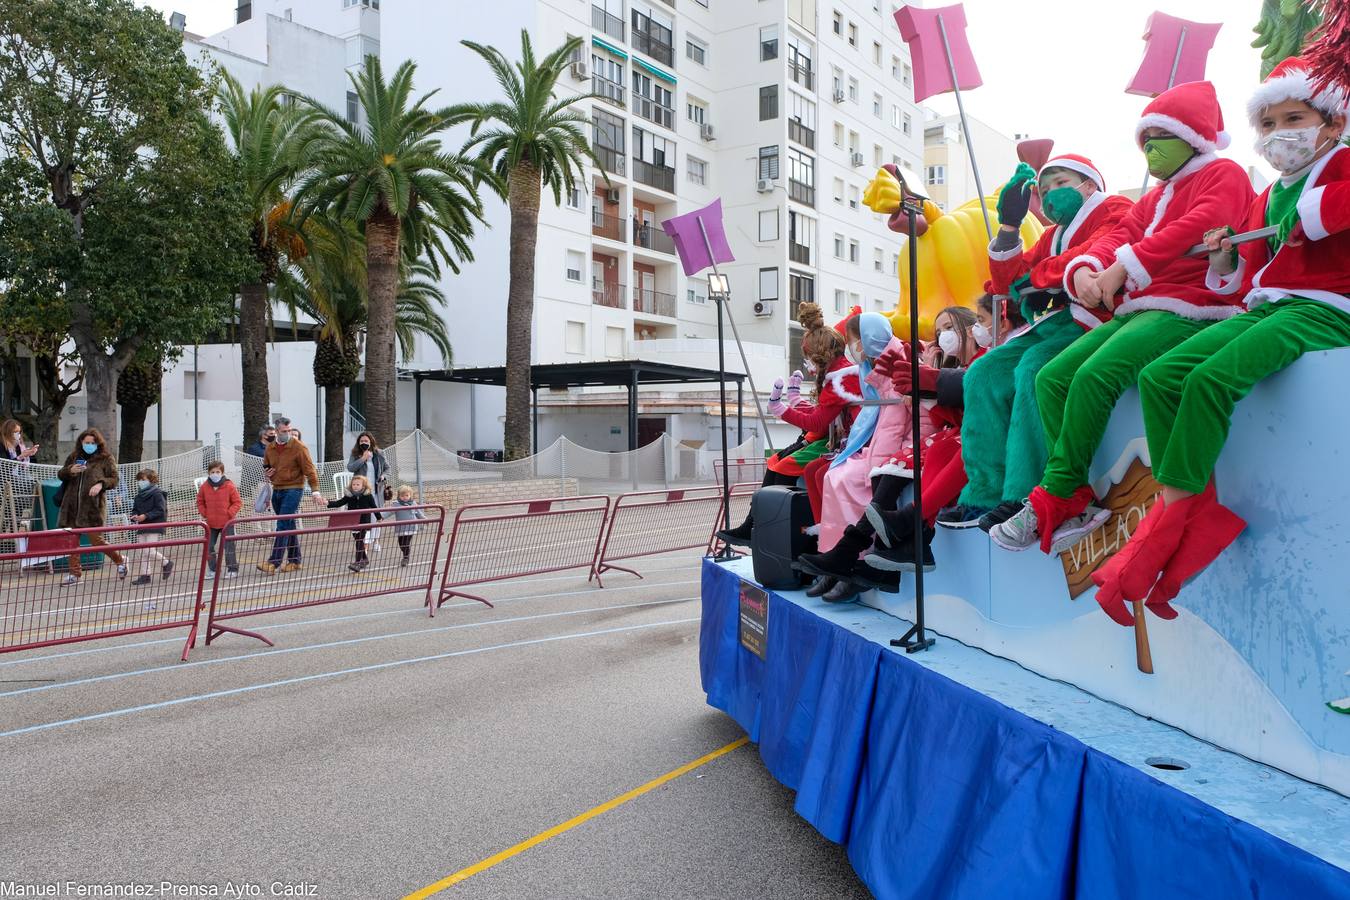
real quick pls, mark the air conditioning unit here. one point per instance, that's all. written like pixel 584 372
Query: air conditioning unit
pixel 856 158
pixel 705 131
pixel 764 185
pixel 763 308
pixel 612 196
pixel 580 70
pixel 838 96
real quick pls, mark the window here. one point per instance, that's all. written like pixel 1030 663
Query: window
pixel 575 261
pixel 697 292
pixel 840 302
pixel 854 299
pixel 768 43
pixel 907 125
pixel 352 106
pixel 359 47
pixel 895 265
pixel 768 102
pixel 895 67
pixel 937 175
pixel 838 190
pixel 574 198
pixel 876 304
pixel 853 89
pixel 853 141
pixel 876 53
pixel 837 81
pixel 853 195
pixel 652 100
pixel 801 176
pixel 801 237
pixel 695 110
pixel 838 246
pixel 768 162
pixel 876 155
pixel 613 342
pixel 839 135
pixel 838 23
pixel 768 284
pixel 768 224
pixel 908 78
pixel 801 289
pixel 801 119
pixel 574 338
pixel 895 115
pixel 697 170
pixel 853 251
pixel 876 105
pixel 800 69
pixel 852 35
pixel 696 50
pixel 878 259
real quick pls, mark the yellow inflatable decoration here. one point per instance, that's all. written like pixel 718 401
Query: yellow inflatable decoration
pixel 953 261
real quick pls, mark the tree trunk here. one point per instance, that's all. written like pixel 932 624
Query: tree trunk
pixel 100 396
pixel 47 433
pixel 523 196
pixel 334 421
pixel 131 446
pixel 382 259
pixel 253 358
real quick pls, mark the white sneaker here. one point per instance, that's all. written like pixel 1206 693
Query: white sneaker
pixel 1075 529
pixel 210 576
pixel 70 581
pixel 375 546
pixel 1019 532
pixel 231 574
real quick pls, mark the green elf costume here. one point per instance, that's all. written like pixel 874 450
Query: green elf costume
pixel 1004 449
pixel 1297 287
pixel 1165 301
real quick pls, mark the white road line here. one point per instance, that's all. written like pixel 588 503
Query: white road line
pixel 375 667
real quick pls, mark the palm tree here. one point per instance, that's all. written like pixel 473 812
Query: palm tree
pixel 264 129
pixel 389 176
pixel 329 286
pixel 535 140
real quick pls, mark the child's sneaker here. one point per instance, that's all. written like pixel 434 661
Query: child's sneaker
pixel 210 575
pixel 141 579
pixel 232 573
pixel 1075 529
pixel 70 581
pixel 356 566
pixel 403 563
pixel 167 569
pixel 121 570
pixel 1019 532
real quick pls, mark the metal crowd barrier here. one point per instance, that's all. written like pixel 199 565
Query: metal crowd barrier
pixel 646 523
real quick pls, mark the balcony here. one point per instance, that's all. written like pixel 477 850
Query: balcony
pixel 611 295
pixel 652 237
pixel 799 253
pixel 603 21
pixel 611 160
pixel 604 226
pixel 653 40
pixel 802 75
pixel 801 134
pixel 653 111
pixel 802 193
pixel 660 177
pixel 653 303
pixel 609 91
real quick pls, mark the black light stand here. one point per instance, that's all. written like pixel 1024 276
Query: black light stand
pixel 916 638
pixel 717 287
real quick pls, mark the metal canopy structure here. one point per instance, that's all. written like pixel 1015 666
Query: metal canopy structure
pixel 626 373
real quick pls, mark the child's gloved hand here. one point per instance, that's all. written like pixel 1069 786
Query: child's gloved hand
pixel 776 405
pixel 794 388
pixel 1015 199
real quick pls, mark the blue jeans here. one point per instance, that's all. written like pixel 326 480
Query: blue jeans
pixel 284 502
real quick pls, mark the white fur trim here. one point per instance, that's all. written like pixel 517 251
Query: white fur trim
pixel 1073 266
pixel 835 380
pixel 1178 307
pixel 1083 317
pixel 1139 277
pixel 1074 165
pixel 1064 238
pixel 1004 255
pixel 1226 284
pixel 1297 85
pixel 1181 130
pixel 890 468
pixel 1310 214
pixel 1259 296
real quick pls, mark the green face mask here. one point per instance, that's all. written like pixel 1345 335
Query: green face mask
pixel 1062 204
pixel 1166 156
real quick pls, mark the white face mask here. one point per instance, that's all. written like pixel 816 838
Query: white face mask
pixel 949 342
pixel 1290 150
pixel 983 336
pixel 215 477
pixel 852 354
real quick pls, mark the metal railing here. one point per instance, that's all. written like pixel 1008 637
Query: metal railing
pixel 654 44
pixel 801 134
pixel 606 226
pixel 653 303
pixel 652 237
pixel 652 111
pixel 610 91
pixel 661 177
pixel 611 295
pixel 611 160
pixel 356 423
pixel 799 254
pixel 610 25
pixel 802 75
pixel 802 193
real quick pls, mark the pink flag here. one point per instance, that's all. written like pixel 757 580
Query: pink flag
pixel 1170 40
pixel 932 75
pixel 688 237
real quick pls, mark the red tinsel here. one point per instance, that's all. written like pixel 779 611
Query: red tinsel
pixel 1328 55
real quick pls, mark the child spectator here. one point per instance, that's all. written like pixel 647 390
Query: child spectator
pixel 359 497
pixel 150 508
pixel 218 502
pixel 407 519
pixel 1297 288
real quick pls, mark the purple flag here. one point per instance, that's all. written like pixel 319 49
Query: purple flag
pixel 1165 45
pixel 688 238
pixel 919 29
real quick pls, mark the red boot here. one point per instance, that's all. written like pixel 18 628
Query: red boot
pixel 1139 573
pixel 1052 511
pixel 1107 577
pixel 1205 539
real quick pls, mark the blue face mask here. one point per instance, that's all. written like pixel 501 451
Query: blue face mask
pixel 89 449
pixel 142 483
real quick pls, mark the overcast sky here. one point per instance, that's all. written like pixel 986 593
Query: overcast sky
pixel 1051 68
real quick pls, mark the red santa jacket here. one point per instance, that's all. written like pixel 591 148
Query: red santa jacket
pixel 838 398
pixel 1057 247
pixel 1313 263
pixel 1151 242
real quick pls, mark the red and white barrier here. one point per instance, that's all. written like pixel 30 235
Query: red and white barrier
pixel 646 523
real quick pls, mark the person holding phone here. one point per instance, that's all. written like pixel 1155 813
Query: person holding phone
pixel 288 466
pixel 89 473
pixel 20 483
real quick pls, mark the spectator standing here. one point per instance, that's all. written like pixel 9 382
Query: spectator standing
pixel 150 507
pixel 368 461
pixel 267 436
pixel 288 466
pixel 90 471
pixel 218 502
pixel 15 483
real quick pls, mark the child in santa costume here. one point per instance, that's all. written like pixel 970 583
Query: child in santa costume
pixel 838 392
pixel 1004 450
pixel 1296 285
pixel 1165 301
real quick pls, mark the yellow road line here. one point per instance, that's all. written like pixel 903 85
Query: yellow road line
pixel 556 830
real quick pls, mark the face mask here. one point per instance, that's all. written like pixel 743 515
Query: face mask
pixel 1166 156
pixel 809 366
pixel 983 336
pixel 949 342
pixel 1062 204
pixel 365 446
pixel 89 449
pixel 142 484
pixel 852 354
pixel 284 438
pixel 403 502
pixel 269 439
pixel 216 477
pixel 1290 150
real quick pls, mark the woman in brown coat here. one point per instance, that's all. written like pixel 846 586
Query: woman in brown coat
pixel 89 473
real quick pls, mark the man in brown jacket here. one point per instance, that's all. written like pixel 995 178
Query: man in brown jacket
pixel 287 464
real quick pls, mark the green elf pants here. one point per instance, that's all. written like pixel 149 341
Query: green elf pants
pixel 1003 444
pixel 1191 392
pixel 1077 390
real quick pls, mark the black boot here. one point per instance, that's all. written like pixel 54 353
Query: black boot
pixel 740 535
pixel 900 558
pixel 821 585
pixel 872 577
pixel 894 526
pixel 839 560
pixel 844 591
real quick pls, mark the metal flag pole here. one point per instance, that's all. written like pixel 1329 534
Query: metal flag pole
pixel 719 298
pixel 1171 80
pixel 970 149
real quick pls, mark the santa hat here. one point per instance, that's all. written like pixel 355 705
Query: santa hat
pixel 842 325
pixel 1191 112
pixel 1291 80
pixel 1074 163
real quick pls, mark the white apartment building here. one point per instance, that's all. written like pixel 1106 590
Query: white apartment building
pixel 946 157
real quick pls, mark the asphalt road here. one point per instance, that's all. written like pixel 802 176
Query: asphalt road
pixel 375 751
